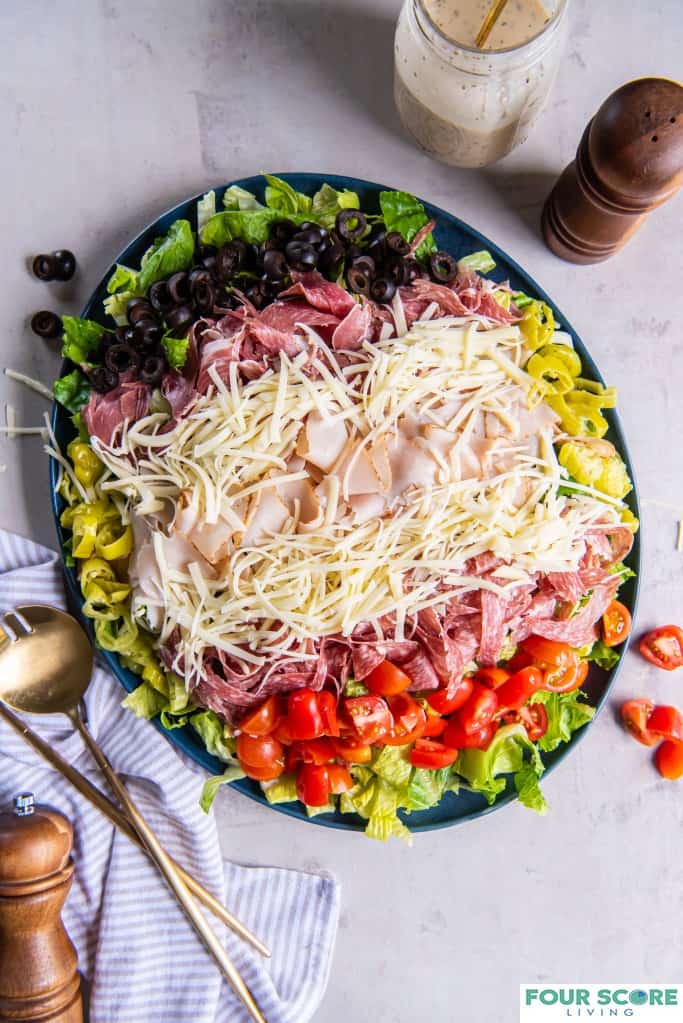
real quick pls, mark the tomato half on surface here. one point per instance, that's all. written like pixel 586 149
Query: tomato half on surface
pixel 666 723
pixel 303 714
pixel 669 759
pixel 663 647
pixel 616 624
pixel 431 754
pixel 387 680
pixel 370 717
pixel 634 715
pixel 449 699
pixel 516 691
pixel 410 720
pixel 313 784
pixel 264 719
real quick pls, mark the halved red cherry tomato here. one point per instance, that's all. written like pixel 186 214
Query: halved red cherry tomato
pixel 616 624
pixel 445 701
pixel 634 714
pixel 339 778
pixel 666 722
pixel 370 716
pixel 567 678
pixel 264 773
pixel 492 677
pixel 311 751
pixel 480 709
pixel 327 702
pixel 533 716
pixel 303 714
pixel 259 751
pixel 409 720
pixel 669 759
pixel 387 680
pixel 435 726
pixel 663 647
pixel 353 752
pixel 456 737
pixel 547 651
pixel 431 754
pixel 518 661
pixel 313 784
pixel 514 693
pixel 264 719
pixel 282 733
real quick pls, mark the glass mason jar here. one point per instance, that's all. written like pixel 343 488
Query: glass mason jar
pixel 470 107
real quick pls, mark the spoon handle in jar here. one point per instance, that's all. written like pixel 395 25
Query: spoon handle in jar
pixel 168 871
pixel 489 23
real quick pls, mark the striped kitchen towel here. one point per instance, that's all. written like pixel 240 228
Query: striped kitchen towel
pixel 143 961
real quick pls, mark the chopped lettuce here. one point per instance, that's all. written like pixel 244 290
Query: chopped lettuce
pixel 79 427
pixel 329 807
pixel 81 338
pixel 251 225
pixel 404 213
pixel 378 802
pixel 72 391
pixel 393 766
pixel 212 732
pixel 282 197
pixel 145 701
pixel 206 208
pixel 212 785
pixel 168 254
pixel 483 262
pixel 604 656
pixel 236 198
pixel 426 787
pixel 116 306
pixel 566 713
pixel 176 349
pixel 327 202
pixel 281 790
pixel 528 789
pixel 354 688
pixel 623 570
pixel 123 279
pixel 484 770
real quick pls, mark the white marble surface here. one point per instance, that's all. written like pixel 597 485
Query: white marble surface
pixel 113 110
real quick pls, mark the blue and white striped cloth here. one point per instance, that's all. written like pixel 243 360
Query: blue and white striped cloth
pixel 143 962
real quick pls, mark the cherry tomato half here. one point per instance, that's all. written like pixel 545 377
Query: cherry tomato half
pixel 634 715
pixel 259 751
pixel 456 737
pixel 431 754
pixel 514 693
pixel 409 720
pixel 264 719
pixel 310 751
pixel 434 726
pixel 547 651
pixel 327 703
pixel 616 624
pixel 282 733
pixel 666 722
pixel 370 717
pixel 669 759
pixel 387 680
pixel 339 778
pixel 492 677
pixel 533 716
pixel 565 679
pixel 353 751
pixel 663 647
pixel 264 773
pixel 313 785
pixel 445 701
pixel 480 709
pixel 303 714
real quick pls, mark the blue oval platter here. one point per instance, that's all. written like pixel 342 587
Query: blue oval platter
pixel 458 238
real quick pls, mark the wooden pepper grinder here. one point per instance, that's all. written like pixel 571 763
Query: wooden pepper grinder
pixel 629 161
pixel 38 965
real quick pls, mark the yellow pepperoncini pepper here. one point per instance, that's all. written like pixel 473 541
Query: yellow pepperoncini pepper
pixel 579 413
pixel 630 520
pixel 112 543
pixel 87 466
pixel 104 595
pixel 593 470
pixel 555 365
pixel 117 636
pixel 537 325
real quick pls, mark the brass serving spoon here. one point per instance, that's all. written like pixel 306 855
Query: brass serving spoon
pixel 45 667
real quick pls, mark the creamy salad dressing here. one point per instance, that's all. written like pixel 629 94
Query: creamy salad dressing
pixel 469 107
pixel 460 20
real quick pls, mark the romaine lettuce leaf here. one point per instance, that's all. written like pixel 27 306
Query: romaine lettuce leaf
pixel 281 790
pixel 123 279
pixel 145 701
pixel 176 350
pixel 427 787
pixel 528 789
pixel 604 656
pixel 327 202
pixel 72 391
pixel 81 338
pixel 483 262
pixel 251 225
pixel 236 198
pixel 404 213
pixel 212 785
pixel 483 769
pixel 392 765
pixel 566 713
pixel 211 731
pixel 286 200
pixel 173 252
pixel 206 208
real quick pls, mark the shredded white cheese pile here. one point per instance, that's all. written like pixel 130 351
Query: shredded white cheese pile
pixel 300 504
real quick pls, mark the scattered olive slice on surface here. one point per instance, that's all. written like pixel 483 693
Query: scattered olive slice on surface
pixel 179 287
pixel 66 264
pixel 382 290
pixel 152 370
pixel 44 267
pixel 443 267
pixel 120 358
pixel 180 320
pixel 351 224
pixel 46 324
pixel 103 379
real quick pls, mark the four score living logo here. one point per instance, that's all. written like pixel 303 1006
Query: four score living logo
pixel 644 1003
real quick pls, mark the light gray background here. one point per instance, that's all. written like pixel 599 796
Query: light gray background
pixel 113 111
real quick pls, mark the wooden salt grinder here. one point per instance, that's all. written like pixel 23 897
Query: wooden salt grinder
pixel 629 161
pixel 38 966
